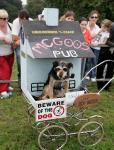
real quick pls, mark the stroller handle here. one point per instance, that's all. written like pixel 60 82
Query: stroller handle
pixel 93 69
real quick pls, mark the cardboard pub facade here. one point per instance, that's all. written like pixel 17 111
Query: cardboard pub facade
pixel 41 45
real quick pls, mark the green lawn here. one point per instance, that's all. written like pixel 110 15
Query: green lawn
pixel 16 132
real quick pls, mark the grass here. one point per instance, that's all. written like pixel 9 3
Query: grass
pixel 16 132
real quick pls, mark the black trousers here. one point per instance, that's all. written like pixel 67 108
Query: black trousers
pixel 105 54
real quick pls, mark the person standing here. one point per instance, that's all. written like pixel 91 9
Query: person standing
pixel 6 53
pixel 87 36
pixel 106 53
pixel 16 33
pixel 101 38
pixel 94 30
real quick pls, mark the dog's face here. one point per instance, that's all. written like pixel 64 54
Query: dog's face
pixel 61 69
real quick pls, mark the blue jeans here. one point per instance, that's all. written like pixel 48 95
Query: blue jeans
pixel 17 52
pixel 91 62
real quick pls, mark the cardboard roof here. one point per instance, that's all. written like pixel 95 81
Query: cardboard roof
pixel 64 40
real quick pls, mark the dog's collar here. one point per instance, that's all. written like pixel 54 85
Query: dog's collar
pixel 61 81
pixel 59 87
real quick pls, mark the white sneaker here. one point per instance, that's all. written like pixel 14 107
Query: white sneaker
pixel 93 79
pixel 88 78
pixel 10 88
pixel 10 93
pixel 4 95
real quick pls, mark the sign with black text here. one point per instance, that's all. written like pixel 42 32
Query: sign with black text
pixel 50 109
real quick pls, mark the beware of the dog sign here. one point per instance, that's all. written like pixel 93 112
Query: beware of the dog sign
pixel 50 109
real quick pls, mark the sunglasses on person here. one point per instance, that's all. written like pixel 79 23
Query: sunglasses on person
pixel 92 17
pixel 3 19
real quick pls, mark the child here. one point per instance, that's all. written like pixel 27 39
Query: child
pixel 87 36
pixel 103 35
pixel 68 16
pixel 99 40
pixel 86 33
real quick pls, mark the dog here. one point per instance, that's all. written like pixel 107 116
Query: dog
pixel 57 83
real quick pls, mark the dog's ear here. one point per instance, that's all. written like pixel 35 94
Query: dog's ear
pixel 55 63
pixel 70 65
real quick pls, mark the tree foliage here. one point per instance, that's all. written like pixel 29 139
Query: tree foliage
pixel 80 7
pixel 35 7
pixel 12 6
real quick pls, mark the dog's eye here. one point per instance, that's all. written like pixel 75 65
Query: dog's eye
pixel 57 69
pixel 65 69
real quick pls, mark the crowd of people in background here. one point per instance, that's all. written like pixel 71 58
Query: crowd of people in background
pixel 99 38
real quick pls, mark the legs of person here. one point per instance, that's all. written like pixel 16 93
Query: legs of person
pixel 83 62
pixel 97 55
pixel 100 69
pixel 104 55
pixel 83 65
pixel 109 73
pixel 94 62
pixel 4 73
pixel 10 62
pixel 110 66
pixel 17 51
pixel 88 66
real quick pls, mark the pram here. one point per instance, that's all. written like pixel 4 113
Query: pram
pixel 40 46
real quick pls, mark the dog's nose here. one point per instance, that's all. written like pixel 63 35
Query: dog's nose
pixel 61 74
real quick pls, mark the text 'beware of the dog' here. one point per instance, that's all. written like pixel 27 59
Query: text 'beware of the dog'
pixel 50 109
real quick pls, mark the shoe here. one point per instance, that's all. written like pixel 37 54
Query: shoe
pixel 10 88
pixel 10 93
pixel 93 79
pixel 4 95
pixel 88 78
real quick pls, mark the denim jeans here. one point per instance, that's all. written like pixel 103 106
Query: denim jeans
pixel 17 52
pixel 91 62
